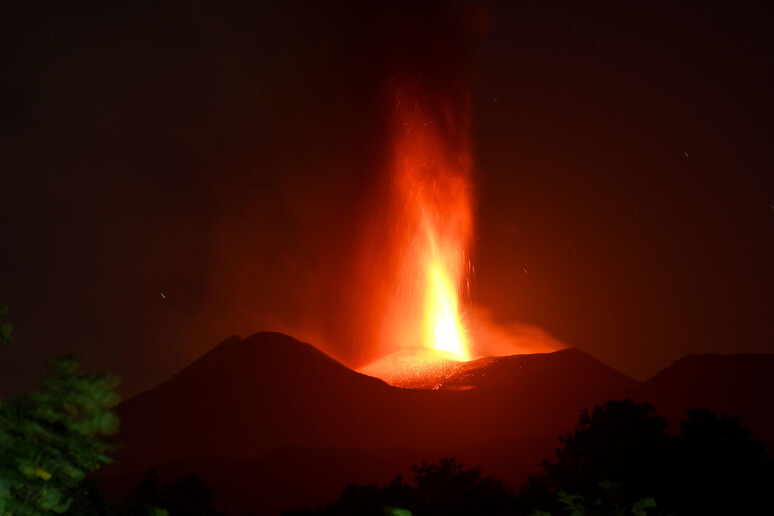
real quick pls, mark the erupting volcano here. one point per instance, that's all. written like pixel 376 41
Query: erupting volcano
pixel 429 229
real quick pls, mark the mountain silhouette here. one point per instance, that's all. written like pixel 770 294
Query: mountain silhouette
pixel 247 397
pixel 735 384
pixel 273 423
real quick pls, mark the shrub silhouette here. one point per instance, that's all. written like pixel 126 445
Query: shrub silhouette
pixel 446 487
pixel 87 500
pixel 622 442
pixel 620 460
pixel 711 466
pixel 606 505
pixel 186 496
pixel 720 468
pixel 442 488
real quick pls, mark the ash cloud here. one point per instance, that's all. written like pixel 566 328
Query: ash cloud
pixel 493 338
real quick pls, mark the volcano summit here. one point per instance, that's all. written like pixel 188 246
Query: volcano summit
pixel 254 401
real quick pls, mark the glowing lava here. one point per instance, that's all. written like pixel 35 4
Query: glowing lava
pixel 415 281
pixel 430 228
pixel 444 330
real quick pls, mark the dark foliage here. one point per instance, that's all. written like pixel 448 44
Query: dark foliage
pixel 620 441
pixel 87 500
pixel 720 468
pixel 52 438
pixel 446 487
pixel 186 496
pixel 442 488
pixel 620 460
pixel 621 454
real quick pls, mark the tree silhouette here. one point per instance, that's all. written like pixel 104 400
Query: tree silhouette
pixel 51 439
pixel 186 496
pixel 87 500
pixel 621 442
pixel 720 468
pixel 621 457
pixel 445 487
pixel 145 496
pixel 621 460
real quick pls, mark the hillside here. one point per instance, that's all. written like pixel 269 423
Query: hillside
pixel 246 397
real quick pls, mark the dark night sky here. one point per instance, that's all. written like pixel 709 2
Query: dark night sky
pixel 225 154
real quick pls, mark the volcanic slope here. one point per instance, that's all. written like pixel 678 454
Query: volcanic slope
pixel 740 385
pixel 246 397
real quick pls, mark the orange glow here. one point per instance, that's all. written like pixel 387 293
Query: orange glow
pixel 443 326
pixel 430 229
pixel 419 327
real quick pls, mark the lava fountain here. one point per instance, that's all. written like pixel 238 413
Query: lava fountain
pixel 430 226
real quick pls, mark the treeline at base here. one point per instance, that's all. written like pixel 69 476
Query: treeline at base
pixel 620 460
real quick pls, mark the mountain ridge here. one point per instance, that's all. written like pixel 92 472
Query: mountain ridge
pixel 247 396
pixel 251 408
pixel 734 384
